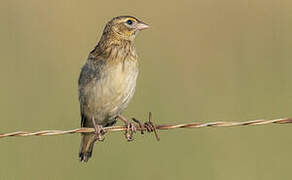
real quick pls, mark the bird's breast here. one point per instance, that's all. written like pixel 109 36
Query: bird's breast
pixel 118 81
pixel 114 89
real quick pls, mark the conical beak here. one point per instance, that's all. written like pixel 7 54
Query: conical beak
pixel 141 25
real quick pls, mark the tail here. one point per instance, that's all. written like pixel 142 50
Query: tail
pixel 86 147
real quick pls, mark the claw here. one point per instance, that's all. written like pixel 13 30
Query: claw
pixel 99 131
pixel 130 130
pixel 149 126
pixel 140 125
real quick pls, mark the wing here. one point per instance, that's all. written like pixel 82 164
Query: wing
pixel 90 71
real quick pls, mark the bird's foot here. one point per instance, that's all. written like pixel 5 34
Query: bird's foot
pixel 99 131
pixel 149 126
pixel 130 128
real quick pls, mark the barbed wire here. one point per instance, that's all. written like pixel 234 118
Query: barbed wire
pixel 145 127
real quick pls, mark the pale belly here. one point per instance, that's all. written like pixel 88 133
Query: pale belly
pixel 110 95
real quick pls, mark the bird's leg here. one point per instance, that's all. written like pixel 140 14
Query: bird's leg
pixel 99 131
pixel 130 128
pixel 140 125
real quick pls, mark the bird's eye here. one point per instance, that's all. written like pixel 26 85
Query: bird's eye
pixel 130 22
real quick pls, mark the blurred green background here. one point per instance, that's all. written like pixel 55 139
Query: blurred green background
pixel 203 60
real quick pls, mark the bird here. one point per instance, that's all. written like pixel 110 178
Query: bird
pixel 107 80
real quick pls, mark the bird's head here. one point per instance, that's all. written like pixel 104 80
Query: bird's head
pixel 125 27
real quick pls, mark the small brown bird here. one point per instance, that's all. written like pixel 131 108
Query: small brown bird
pixel 108 79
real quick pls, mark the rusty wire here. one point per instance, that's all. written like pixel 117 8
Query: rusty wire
pixel 143 127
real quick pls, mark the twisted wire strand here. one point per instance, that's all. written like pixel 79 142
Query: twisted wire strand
pixel 144 128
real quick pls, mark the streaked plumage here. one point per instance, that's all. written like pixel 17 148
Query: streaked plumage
pixel 108 78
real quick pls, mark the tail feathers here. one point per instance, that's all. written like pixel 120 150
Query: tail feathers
pixel 86 147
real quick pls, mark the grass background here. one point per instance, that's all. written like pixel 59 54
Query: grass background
pixel 203 60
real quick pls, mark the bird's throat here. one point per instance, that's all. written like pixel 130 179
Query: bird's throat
pixel 114 50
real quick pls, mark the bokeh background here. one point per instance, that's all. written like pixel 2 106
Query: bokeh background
pixel 203 60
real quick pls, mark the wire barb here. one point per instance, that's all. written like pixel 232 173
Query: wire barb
pixel 149 126
pixel 142 128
